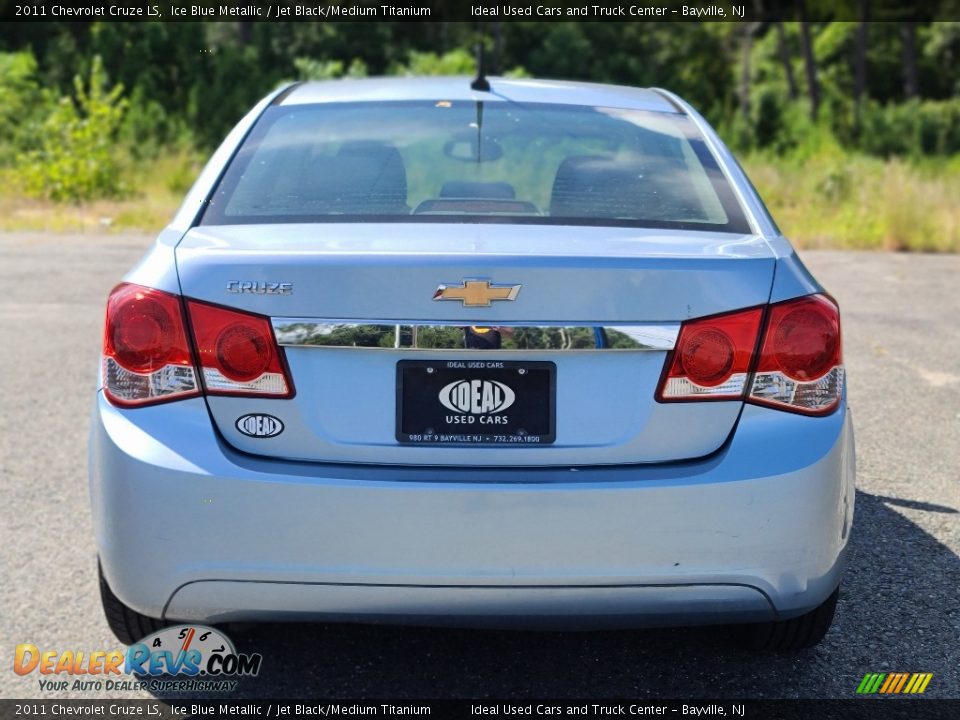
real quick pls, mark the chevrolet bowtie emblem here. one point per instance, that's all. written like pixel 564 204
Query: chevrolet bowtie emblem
pixel 476 293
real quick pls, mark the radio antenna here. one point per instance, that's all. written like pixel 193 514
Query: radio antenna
pixel 480 82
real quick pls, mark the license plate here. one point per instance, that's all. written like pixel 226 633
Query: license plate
pixel 475 402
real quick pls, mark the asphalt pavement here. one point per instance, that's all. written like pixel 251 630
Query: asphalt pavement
pixel 899 606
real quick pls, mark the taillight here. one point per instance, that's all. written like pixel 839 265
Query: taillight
pixel 800 366
pixel 712 358
pixel 146 356
pixel 237 352
pixel 797 365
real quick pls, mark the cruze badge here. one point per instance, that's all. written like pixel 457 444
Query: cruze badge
pixel 258 287
pixel 476 293
pixel 477 397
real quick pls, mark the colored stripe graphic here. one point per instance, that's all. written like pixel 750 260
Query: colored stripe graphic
pixel 921 682
pixel 891 680
pixel 894 683
pixel 903 679
pixel 870 683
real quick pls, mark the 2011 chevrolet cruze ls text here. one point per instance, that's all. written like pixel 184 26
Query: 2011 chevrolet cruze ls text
pixel 416 352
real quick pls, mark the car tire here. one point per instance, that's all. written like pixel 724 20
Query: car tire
pixel 794 634
pixel 126 623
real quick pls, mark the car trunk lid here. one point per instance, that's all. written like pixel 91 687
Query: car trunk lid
pixel 595 308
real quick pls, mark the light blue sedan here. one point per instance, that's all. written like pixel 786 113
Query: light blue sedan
pixel 531 356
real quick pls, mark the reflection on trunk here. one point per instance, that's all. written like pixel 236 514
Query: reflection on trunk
pixel 474 337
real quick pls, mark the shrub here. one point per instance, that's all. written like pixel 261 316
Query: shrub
pixel 77 157
pixel 20 102
pixel 150 130
pixel 310 69
pixel 927 127
pixel 455 62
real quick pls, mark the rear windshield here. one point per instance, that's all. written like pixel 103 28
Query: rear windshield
pixel 466 161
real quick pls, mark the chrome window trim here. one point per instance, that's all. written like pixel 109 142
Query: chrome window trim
pixel 421 335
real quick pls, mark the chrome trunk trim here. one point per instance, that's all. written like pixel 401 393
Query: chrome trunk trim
pixel 449 335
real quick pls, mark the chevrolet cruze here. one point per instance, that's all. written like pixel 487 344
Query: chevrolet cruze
pixel 530 354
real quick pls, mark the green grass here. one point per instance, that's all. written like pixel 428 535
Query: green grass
pixel 823 199
pixel 158 188
pixel 837 200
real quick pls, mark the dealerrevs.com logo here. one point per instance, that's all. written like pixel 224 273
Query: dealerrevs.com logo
pixel 894 683
pixel 182 657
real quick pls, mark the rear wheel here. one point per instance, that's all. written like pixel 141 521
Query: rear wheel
pixel 126 623
pixel 798 633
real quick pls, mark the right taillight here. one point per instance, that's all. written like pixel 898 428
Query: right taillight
pixel 712 358
pixel 800 366
pixel 786 356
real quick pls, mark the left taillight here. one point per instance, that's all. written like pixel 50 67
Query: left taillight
pixel 146 354
pixel 237 353
pixel 154 344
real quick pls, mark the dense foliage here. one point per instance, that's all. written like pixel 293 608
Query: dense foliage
pixel 79 100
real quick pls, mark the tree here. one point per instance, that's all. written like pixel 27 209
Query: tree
pixel 809 62
pixel 784 52
pixel 860 64
pixel 908 31
pixel 746 51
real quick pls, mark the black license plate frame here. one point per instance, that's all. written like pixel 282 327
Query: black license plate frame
pixel 473 387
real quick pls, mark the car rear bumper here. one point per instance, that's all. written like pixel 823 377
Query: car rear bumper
pixel 189 528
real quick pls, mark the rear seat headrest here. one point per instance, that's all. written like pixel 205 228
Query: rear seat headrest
pixel 608 187
pixel 363 178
